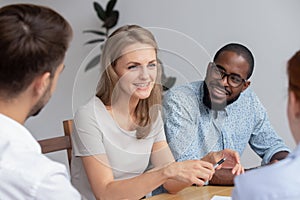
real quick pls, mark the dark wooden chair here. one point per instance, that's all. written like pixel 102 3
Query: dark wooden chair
pixel 59 143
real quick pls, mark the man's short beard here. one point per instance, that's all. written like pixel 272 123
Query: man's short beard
pixel 36 109
pixel 215 106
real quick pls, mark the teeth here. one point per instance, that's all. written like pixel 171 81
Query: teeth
pixel 141 84
pixel 219 91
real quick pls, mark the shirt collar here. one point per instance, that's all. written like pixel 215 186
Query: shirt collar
pixel 17 134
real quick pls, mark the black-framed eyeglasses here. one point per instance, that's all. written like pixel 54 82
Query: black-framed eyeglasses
pixel 217 72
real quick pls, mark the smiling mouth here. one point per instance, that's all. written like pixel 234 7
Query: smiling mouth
pixel 142 85
pixel 219 92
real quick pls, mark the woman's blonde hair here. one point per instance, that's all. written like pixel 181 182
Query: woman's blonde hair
pixel 293 71
pixel 112 51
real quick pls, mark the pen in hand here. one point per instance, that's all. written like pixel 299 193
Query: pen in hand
pixel 219 162
pixel 215 166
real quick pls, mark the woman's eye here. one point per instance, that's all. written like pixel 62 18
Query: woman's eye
pixel 132 67
pixel 152 65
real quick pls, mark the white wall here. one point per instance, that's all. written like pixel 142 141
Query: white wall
pixel 188 32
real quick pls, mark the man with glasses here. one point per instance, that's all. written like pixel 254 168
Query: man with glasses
pixel 219 113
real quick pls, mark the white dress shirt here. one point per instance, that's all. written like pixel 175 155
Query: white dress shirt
pixel 275 182
pixel 25 173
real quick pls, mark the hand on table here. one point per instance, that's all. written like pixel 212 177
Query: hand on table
pixel 232 160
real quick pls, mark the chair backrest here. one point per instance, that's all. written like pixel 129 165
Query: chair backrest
pixel 68 129
pixel 59 143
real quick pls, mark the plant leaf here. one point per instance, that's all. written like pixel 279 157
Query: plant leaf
pixel 99 10
pixel 111 20
pixel 94 41
pixel 169 82
pixel 110 6
pixel 94 62
pixel 95 32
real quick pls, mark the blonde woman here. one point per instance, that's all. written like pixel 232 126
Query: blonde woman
pixel 120 130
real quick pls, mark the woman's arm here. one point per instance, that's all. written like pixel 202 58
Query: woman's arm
pixel 175 176
pixel 161 155
pixel 104 186
pixel 184 173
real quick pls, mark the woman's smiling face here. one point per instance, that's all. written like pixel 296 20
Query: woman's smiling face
pixel 137 70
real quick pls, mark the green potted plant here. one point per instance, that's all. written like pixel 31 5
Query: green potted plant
pixel 109 18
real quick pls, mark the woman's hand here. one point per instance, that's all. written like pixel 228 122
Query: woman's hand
pixel 232 160
pixel 190 171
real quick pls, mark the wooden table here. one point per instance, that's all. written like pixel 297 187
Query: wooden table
pixel 193 193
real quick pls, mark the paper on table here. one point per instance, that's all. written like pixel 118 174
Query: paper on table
pixel 216 197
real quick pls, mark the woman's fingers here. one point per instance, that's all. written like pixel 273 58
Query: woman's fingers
pixel 194 171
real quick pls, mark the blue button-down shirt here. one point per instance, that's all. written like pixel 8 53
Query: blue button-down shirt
pixel 193 130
